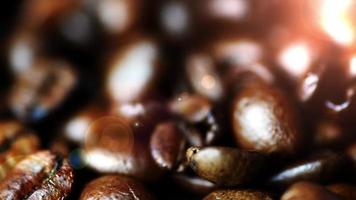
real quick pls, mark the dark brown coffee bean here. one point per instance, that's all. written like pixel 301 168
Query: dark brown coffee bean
pixel 167 145
pixel 329 133
pixel 195 185
pixel 238 194
pixel 264 120
pixel 38 176
pixel 321 168
pixel 115 145
pixel 115 188
pixel 193 108
pixel 203 77
pixel 308 191
pixel 15 143
pixel 224 165
pixel 345 191
pixel 138 60
pixel 42 88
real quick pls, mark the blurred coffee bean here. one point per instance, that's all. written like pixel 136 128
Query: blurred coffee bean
pixel 23 49
pixel 308 191
pixel 116 17
pixel 133 71
pixel 38 176
pixel 195 185
pixel 115 188
pixel 224 165
pixel 264 120
pixel 193 108
pixel 174 18
pixel 351 152
pixel 41 89
pixel 322 168
pixel 238 194
pixel 345 191
pixel 114 145
pixel 167 145
pixel 77 126
pixel 15 143
pixel 203 77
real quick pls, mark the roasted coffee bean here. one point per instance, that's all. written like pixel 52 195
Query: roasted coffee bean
pixel 194 184
pixel 345 191
pixel 138 60
pixel 15 143
pixel 115 188
pixel 167 145
pixel 264 120
pixel 123 146
pixel 320 168
pixel 203 77
pixel 308 191
pixel 224 165
pixel 192 108
pixel 115 17
pixel 38 176
pixel 42 88
pixel 238 194
pixel 329 133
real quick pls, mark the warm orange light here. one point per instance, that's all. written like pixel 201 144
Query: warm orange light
pixel 335 20
pixel 353 66
pixel 295 59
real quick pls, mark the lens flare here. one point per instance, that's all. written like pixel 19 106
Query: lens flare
pixel 335 20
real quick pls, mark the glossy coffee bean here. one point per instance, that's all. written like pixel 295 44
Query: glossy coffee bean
pixel 115 188
pixel 38 176
pixel 321 168
pixel 167 145
pixel 264 120
pixel 115 145
pixel 192 108
pixel 238 194
pixel 138 60
pixel 345 191
pixel 193 184
pixel 308 191
pixel 41 89
pixel 15 143
pixel 224 165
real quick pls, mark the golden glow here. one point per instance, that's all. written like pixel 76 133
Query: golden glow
pixel 208 82
pixel 353 66
pixel 335 20
pixel 295 59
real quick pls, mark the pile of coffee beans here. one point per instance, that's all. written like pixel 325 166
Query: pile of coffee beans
pixel 178 99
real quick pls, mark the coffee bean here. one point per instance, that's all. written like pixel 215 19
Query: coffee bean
pixel 224 165
pixel 38 176
pixel 194 184
pixel 238 194
pixel 264 120
pixel 167 145
pixel 308 191
pixel 138 60
pixel 124 148
pixel 115 187
pixel 321 168
pixel 15 143
pixel 42 88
